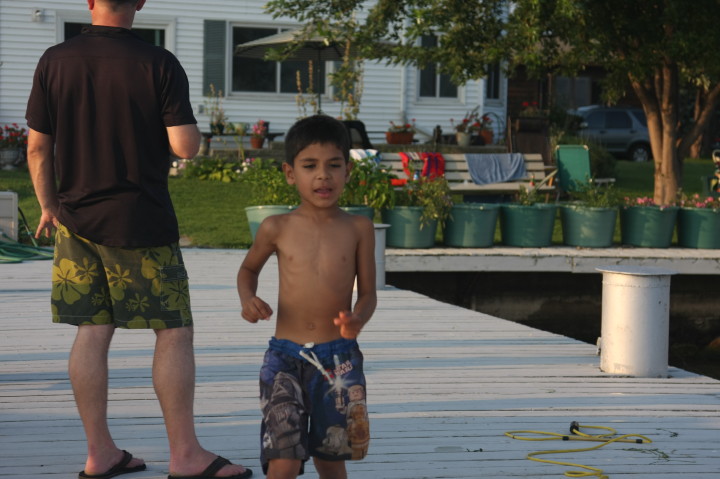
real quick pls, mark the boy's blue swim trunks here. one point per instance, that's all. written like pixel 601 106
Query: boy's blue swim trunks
pixel 313 402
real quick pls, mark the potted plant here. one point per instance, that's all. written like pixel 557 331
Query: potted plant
pixel 13 141
pixel 465 128
pixel 531 117
pixel 214 110
pixel 698 222
pixel 486 129
pixel 369 187
pixel 644 223
pixel 527 222
pixel 258 132
pixel 420 206
pixel 400 134
pixel 471 225
pixel 589 219
pixel 269 192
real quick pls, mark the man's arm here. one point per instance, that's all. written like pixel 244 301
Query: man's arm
pixel 184 140
pixel 41 163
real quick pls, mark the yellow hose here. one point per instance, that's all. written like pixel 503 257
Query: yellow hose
pixel 576 435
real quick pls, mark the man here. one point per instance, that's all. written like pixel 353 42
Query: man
pixel 106 112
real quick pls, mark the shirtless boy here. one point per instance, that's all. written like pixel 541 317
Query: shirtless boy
pixel 312 387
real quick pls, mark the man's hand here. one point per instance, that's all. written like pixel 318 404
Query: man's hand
pixel 349 324
pixel 47 225
pixel 256 309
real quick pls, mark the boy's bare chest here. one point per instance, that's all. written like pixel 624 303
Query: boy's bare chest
pixel 321 258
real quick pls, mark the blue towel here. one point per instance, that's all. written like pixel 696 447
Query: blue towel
pixel 486 168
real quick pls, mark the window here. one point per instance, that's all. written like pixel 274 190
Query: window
pixel 432 83
pixel 492 82
pixel 640 116
pixel 256 75
pixel 596 120
pixel 573 92
pixel 618 120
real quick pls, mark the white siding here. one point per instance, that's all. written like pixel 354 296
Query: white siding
pixel 389 93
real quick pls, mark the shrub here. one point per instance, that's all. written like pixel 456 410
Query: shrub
pixel 267 183
pixel 433 195
pixel 212 168
pixel 369 185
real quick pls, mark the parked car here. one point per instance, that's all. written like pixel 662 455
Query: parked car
pixel 621 130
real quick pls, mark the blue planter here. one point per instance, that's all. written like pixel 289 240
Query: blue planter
pixel 360 210
pixel 648 226
pixel 587 226
pixel 256 214
pixel 698 228
pixel 471 225
pixel 406 229
pixel 529 226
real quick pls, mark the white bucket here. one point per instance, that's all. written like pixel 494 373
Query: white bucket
pixel 380 254
pixel 635 321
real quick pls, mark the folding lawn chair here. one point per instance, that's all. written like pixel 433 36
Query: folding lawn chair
pixel 573 168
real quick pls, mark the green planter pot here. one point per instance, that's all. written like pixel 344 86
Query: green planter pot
pixel 647 226
pixel 471 225
pixel 587 226
pixel 256 214
pixel 527 226
pixel 698 228
pixel 406 230
pixel 360 210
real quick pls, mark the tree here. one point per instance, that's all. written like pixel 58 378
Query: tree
pixel 335 21
pixel 656 47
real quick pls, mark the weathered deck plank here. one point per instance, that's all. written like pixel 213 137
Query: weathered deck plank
pixel 444 384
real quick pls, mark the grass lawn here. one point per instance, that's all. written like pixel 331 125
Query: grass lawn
pixel 211 214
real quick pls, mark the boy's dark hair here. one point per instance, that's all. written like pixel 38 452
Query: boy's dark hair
pixel 316 129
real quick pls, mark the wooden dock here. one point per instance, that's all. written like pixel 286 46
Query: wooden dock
pixel 552 259
pixel 444 384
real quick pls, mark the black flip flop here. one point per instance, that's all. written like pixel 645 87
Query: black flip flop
pixel 213 468
pixel 118 469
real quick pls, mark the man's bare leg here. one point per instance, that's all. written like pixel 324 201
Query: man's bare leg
pixel 174 382
pixel 330 469
pixel 88 370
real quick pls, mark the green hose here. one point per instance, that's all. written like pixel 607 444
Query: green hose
pixel 14 252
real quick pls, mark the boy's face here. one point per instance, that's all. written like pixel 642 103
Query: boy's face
pixel 319 173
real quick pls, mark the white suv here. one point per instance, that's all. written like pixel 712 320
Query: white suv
pixel 620 130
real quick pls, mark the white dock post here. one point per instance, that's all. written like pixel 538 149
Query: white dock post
pixel 635 320
pixel 380 254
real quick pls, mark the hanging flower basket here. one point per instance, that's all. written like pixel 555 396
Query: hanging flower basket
pixel 531 123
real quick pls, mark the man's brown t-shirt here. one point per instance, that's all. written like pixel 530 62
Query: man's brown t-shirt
pixel 106 97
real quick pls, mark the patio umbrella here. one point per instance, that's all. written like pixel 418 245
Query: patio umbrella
pixel 317 48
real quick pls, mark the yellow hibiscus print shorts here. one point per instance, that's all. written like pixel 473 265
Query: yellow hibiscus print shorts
pixel 135 288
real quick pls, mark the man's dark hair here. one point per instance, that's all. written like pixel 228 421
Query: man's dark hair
pixel 316 129
pixel 116 4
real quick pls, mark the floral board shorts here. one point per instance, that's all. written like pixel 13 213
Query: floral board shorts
pixel 135 288
pixel 313 402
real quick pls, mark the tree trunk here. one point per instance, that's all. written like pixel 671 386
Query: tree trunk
pixel 659 98
pixel 696 146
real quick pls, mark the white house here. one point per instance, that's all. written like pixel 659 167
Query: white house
pixel 202 34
